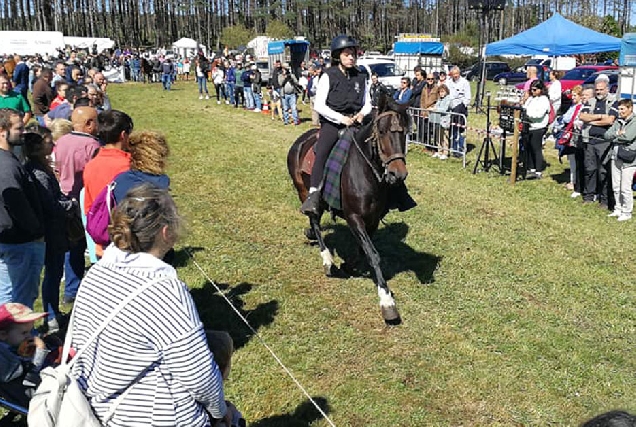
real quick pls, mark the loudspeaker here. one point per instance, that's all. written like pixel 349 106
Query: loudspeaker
pixel 486 5
pixel 497 4
pixel 476 4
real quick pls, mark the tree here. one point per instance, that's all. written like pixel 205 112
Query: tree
pixel 278 30
pixel 235 36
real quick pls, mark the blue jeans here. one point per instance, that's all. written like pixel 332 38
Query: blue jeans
pixel 257 100
pixel 229 90
pixel 249 97
pixel 74 264
pixel 20 268
pixel 166 79
pixel 53 270
pixel 203 85
pixel 289 101
pixel 135 74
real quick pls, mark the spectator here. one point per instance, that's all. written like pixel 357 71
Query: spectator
pixel 21 76
pixel 148 156
pixel 315 73
pixel 56 208
pixel 459 92
pixel 21 221
pixel 554 91
pixel 441 121
pixel 403 95
pixel 427 100
pixel 597 115
pixel 21 353
pixel 76 96
pixel 102 84
pixel 416 87
pixel 256 88
pixel 531 74
pixel 202 77
pixel 623 135
pixel 376 89
pixel 13 100
pixel 60 88
pixel 441 78
pixel 165 367
pixel 289 86
pixel 239 93
pixel 571 119
pixel 230 82
pixel 72 153
pixel 248 95
pixel 60 73
pixel 186 68
pixel 537 112
pixel 218 77
pixel 42 95
pixel 167 70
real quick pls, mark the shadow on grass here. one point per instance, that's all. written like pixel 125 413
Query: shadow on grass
pixel 561 178
pixel 12 420
pixel 182 256
pixel 396 256
pixel 216 314
pixel 303 416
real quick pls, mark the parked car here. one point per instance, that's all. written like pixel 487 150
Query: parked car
pixel 388 72
pixel 492 69
pixel 611 74
pixel 518 75
pixel 578 76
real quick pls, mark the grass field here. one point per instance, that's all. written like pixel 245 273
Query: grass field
pixel 518 302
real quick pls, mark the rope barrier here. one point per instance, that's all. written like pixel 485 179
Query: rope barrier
pixel 262 341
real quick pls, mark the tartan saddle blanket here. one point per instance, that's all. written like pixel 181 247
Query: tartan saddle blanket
pixel 331 193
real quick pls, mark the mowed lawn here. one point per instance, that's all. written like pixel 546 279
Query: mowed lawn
pixel 518 302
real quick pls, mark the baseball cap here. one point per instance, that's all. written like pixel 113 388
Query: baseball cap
pixel 13 312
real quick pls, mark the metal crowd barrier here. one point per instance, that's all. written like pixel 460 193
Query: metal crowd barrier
pixel 438 131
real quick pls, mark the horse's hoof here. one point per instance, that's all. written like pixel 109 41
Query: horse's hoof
pixel 330 270
pixel 391 315
pixel 309 233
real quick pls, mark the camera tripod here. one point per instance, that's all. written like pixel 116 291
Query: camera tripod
pixel 484 158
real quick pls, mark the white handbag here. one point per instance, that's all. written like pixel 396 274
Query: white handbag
pixel 58 400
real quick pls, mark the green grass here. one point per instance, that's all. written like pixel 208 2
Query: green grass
pixel 518 302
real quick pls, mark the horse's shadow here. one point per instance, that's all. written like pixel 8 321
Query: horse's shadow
pixel 183 256
pixel 396 256
pixel 303 416
pixel 216 314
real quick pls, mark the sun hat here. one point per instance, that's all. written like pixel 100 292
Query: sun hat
pixel 13 312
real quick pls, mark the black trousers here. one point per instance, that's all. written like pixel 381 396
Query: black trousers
pixel 327 138
pixel 238 94
pixel 534 149
pixel 598 179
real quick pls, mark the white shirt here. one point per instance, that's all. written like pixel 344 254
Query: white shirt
pixel 554 93
pixel 321 107
pixel 459 91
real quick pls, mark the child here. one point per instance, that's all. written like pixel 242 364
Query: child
pixel 60 88
pixel 442 121
pixel 275 103
pixel 22 355
pixel 222 346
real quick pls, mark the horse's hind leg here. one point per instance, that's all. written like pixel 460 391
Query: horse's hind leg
pixel 387 302
pixel 327 259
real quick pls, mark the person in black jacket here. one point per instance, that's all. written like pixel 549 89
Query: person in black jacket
pixel 21 220
pixel 56 207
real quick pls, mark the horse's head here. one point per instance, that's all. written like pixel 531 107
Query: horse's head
pixel 390 128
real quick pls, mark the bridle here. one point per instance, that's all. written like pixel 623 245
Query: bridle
pixel 374 139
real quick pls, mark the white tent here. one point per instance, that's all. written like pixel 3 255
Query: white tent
pixel 88 42
pixel 31 42
pixel 188 47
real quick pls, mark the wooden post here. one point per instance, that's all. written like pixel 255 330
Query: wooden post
pixel 515 147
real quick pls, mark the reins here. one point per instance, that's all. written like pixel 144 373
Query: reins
pixel 375 140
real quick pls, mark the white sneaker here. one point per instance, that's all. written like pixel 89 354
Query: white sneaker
pixel 256 110
pixel 218 102
pixel 626 217
pixel 615 214
pixel 200 96
pixel 442 157
pixel 207 96
pixel 575 194
pixel 227 102
pixel 436 155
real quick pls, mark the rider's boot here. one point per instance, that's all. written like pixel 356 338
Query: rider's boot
pixel 403 199
pixel 311 205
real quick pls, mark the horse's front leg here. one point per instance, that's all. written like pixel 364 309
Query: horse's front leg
pixel 327 259
pixel 387 302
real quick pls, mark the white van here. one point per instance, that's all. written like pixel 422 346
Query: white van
pixel 388 72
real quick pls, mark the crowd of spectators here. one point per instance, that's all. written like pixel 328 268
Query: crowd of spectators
pixel 61 145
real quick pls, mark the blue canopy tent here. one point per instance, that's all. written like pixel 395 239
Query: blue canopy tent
pixel 555 37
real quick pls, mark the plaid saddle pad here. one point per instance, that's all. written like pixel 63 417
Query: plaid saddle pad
pixel 333 171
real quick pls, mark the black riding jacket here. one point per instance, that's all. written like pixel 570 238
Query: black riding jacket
pixel 346 91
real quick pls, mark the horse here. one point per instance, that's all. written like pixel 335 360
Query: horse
pixel 376 161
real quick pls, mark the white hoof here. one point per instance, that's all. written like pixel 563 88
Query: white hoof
pixel 327 261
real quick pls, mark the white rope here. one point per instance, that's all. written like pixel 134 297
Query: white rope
pixel 298 384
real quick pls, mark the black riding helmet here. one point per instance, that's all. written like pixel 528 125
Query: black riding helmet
pixel 342 42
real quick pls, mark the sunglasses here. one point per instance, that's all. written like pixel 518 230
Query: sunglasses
pixel 430 80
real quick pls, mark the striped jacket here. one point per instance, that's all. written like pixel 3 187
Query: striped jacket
pixel 156 345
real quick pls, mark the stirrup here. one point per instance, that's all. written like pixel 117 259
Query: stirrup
pixel 311 205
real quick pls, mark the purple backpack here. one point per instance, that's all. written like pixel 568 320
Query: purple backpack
pixel 98 216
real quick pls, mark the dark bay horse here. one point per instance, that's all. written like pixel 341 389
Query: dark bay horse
pixel 376 161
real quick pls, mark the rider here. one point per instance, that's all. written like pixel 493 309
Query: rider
pixel 342 99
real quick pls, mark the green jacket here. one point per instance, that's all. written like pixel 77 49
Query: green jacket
pixel 627 139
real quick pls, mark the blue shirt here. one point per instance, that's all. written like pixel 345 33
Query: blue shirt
pixel 129 179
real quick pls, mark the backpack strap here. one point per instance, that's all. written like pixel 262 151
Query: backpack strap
pixel 111 316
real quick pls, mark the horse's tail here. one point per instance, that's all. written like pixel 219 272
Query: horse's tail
pixel 295 158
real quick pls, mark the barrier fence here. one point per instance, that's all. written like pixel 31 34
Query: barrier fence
pixel 443 132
